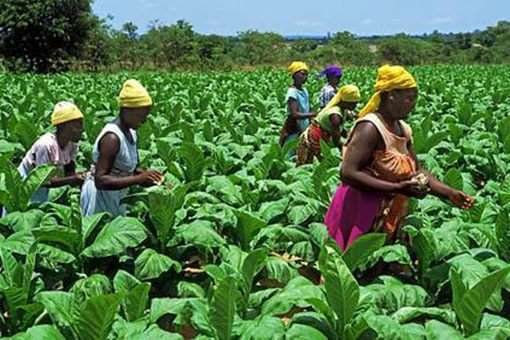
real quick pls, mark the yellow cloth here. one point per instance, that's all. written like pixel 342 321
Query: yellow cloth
pixel 297 66
pixel 388 78
pixel 65 112
pixel 347 93
pixel 133 95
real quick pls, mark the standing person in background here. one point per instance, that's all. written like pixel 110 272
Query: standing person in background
pixel 298 104
pixel 380 170
pixel 115 156
pixel 333 74
pixel 328 125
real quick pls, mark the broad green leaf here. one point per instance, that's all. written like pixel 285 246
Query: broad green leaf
pixel 425 246
pixel 62 237
pixel 150 265
pixel 454 179
pixel 409 314
pixel 472 271
pixel 152 332
pixel 248 226
pixel 163 207
pixel 252 264
pixel 38 177
pixel 342 290
pixel 279 270
pixel 490 321
pixel 469 303
pixel 116 237
pixel 194 161
pixel 135 301
pixel 270 211
pixel 390 253
pixel 295 294
pixel 163 306
pixel 258 298
pixel 503 234
pixel 223 308
pixel 94 285
pixel 303 332
pixel 199 233
pixel 123 282
pixel 491 334
pixel 40 332
pixel 89 225
pixel 19 221
pixel 97 316
pixel 387 328
pixel 19 242
pixel 438 331
pixel 392 294
pixel 190 289
pixel 225 189
pixel 362 249
pixel 60 306
pixel 317 321
pixel 266 328
pixel 299 214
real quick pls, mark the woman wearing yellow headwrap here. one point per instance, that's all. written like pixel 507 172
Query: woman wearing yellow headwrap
pixel 328 124
pixel 298 104
pixel 379 169
pixel 115 156
pixel 59 149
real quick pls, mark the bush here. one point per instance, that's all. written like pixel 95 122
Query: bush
pixel 43 35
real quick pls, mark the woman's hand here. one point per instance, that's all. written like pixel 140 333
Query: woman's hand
pixel 411 188
pixel 461 199
pixel 80 177
pixel 148 178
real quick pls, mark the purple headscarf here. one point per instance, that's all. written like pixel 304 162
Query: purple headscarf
pixel 332 71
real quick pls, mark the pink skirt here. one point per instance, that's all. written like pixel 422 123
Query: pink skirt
pixel 351 214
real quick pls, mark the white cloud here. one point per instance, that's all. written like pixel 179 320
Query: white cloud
pixel 367 21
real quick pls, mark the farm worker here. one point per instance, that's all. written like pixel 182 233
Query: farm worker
pixel 59 149
pixel 115 156
pixel 298 104
pixel 379 169
pixel 333 74
pixel 328 124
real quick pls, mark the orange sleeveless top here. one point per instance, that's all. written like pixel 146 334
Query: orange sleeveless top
pixel 394 163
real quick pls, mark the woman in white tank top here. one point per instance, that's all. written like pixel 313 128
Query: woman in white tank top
pixel 115 156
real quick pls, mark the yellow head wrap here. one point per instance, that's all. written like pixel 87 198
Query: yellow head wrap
pixel 65 112
pixel 297 66
pixel 133 95
pixel 347 93
pixel 388 78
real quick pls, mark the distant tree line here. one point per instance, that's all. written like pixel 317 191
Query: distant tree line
pixel 57 35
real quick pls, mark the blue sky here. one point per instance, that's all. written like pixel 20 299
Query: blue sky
pixel 362 17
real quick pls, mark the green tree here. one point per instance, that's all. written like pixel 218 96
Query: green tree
pixel 344 48
pixel 405 50
pixel 256 48
pixel 172 45
pixel 215 51
pixel 44 35
pixel 99 49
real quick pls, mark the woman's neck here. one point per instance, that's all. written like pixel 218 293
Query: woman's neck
pixel 391 122
pixel 298 86
pixel 62 140
pixel 123 126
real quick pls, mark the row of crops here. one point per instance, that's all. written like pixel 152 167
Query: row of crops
pixel 235 248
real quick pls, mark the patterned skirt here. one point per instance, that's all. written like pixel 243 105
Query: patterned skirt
pixel 309 145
